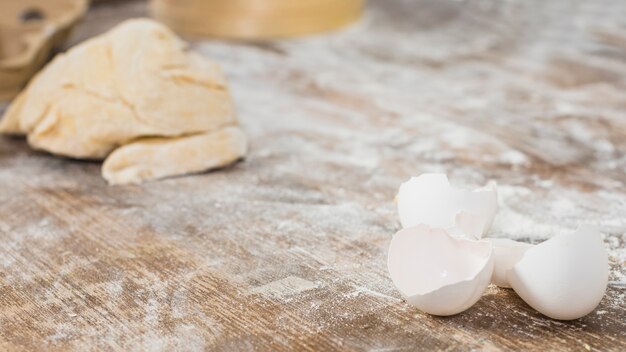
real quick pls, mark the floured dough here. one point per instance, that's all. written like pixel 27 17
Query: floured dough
pixel 136 95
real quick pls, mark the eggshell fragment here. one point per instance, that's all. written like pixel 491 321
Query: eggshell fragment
pixel 564 277
pixel 429 199
pixel 506 253
pixel 438 273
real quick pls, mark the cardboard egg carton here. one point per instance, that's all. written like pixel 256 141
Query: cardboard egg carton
pixel 30 30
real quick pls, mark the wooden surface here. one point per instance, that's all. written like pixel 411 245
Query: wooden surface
pixel 287 250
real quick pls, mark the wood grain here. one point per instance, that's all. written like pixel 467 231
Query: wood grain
pixel 287 250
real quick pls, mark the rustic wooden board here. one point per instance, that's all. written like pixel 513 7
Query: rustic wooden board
pixel 287 250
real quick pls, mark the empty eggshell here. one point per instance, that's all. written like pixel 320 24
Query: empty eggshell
pixel 506 253
pixel 438 273
pixel 564 277
pixel 429 199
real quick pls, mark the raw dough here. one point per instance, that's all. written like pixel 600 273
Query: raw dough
pixel 136 95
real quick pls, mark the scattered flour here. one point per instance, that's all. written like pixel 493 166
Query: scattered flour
pixel 285 288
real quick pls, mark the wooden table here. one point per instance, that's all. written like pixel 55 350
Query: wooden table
pixel 287 250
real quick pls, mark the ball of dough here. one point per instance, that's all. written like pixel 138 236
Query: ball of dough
pixel 137 94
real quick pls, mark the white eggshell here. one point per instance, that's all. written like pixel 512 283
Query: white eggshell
pixel 429 199
pixel 564 277
pixel 506 253
pixel 437 273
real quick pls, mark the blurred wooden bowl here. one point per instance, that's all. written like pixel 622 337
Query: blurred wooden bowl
pixel 258 19
pixel 29 32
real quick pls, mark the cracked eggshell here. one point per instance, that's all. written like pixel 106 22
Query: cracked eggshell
pixel 564 277
pixel 506 253
pixel 429 199
pixel 438 273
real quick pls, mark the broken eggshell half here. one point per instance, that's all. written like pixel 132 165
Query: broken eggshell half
pixel 564 277
pixel 506 253
pixel 429 199
pixel 438 273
